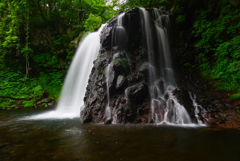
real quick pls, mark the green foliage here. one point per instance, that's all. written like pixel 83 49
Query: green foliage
pixel 52 82
pixel 4 105
pixel 142 3
pixel 38 90
pixel 28 66
pixel 13 106
pixel 28 104
pixel 10 82
pixel 44 104
pixel 217 43
pixel 92 23
pixel 228 85
pixel 235 96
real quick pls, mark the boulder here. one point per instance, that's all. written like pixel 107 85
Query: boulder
pixel 121 83
pixel 137 93
pixel 145 68
pixel 46 100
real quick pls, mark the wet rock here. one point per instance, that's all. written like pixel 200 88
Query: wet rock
pixel 46 100
pixel 85 116
pixel 159 109
pixel 121 66
pixel 145 68
pixel 135 78
pixel 185 100
pixel 39 102
pixel 130 70
pixel 51 104
pixel 137 93
pixel 129 112
pixel 109 121
pixel 121 83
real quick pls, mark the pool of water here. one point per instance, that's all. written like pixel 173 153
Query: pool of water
pixel 69 140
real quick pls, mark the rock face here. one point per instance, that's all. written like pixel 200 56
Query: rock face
pixel 219 109
pixel 124 73
pixel 120 76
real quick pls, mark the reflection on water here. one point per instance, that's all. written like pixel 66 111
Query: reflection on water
pixel 69 140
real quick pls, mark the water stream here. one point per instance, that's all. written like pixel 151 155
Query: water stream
pixel 73 91
pixel 164 105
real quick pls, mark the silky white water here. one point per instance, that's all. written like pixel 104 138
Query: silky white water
pixel 74 88
pixel 119 34
pixel 199 110
pixel 165 108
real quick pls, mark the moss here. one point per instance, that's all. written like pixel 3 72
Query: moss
pixel 123 62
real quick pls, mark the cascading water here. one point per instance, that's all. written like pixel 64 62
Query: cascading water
pixel 108 110
pixel 199 110
pixel 164 105
pixel 119 35
pixel 71 99
pixel 118 40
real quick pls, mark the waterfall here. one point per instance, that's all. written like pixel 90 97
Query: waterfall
pixel 108 110
pixel 74 88
pixel 118 40
pixel 118 33
pixel 165 107
pixel 199 110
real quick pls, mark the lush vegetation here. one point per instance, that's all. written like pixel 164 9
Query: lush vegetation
pixel 218 42
pixel 215 42
pixel 36 44
pixel 35 48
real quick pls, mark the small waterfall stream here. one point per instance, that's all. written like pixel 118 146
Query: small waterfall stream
pixel 164 106
pixel 199 110
pixel 118 39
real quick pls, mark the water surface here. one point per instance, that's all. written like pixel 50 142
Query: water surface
pixel 69 140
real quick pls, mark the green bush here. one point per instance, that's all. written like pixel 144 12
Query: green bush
pixel 235 96
pixel 28 104
pixel 4 105
pixel 217 40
